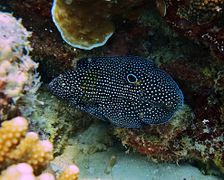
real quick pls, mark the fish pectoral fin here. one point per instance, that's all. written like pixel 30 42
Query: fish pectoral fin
pixel 95 111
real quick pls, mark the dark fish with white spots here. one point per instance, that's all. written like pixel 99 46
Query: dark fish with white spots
pixel 128 91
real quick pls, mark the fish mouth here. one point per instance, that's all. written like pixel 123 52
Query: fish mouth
pixel 52 86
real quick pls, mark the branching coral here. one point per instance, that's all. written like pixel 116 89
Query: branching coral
pixel 33 151
pixel 70 173
pixel 25 171
pixel 16 146
pixel 11 133
pixel 19 82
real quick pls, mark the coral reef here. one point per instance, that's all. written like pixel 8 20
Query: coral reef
pixel 112 162
pixel 19 83
pixel 18 146
pixel 70 173
pixel 199 75
pixel 174 142
pixel 56 120
pixel 202 11
pixel 25 171
pixel 201 139
pixel 198 19
pixel 201 84
pixel 86 29
pixel 18 77
pixel 157 142
pixel 88 24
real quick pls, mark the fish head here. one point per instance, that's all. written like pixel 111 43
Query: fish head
pixel 65 87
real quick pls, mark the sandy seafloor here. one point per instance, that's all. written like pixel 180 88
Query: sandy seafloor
pixel 93 159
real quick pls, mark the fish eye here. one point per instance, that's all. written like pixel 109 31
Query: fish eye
pixel 132 78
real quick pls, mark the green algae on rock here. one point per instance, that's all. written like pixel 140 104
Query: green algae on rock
pixel 56 121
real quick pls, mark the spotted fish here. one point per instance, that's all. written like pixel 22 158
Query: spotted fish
pixel 128 91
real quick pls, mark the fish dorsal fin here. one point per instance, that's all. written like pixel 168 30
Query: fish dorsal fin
pixel 89 61
pixel 85 62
